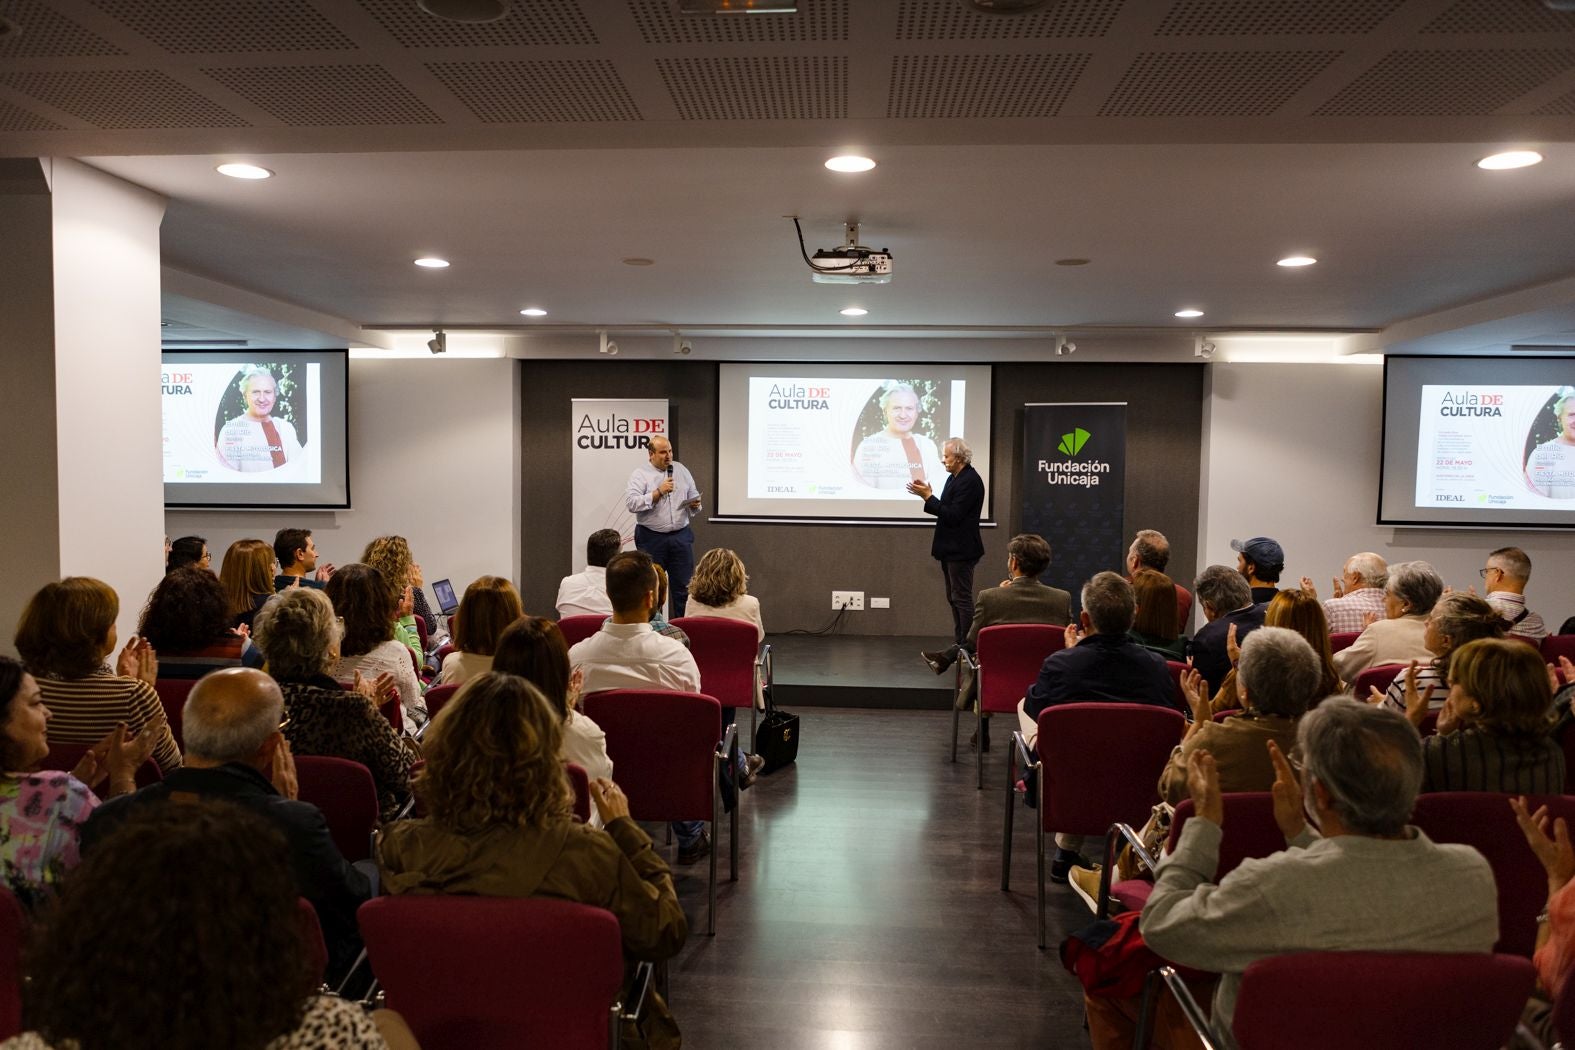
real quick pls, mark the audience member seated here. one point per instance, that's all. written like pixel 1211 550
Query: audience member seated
pixel 390 555
pixel 188 552
pixel 297 555
pixel 1302 613
pixel 1151 550
pixel 659 621
pixel 499 823
pixel 1412 590
pixel 1260 560
pixel 1555 953
pixel 490 604
pixel 1456 619
pixel 1227 602
pixel 1358 593
pixel 1505 577
pixel 187 621
pixel 1364 881
pixel 247 576
pixel 235 751
pixel 41 811
pixel 363 600
pixel 533 648
pixel 626 653
pixel 299 635
pixel 1495 731
pixel 182 929
pixel 65 636
pixel 1156 626
pixel 585 593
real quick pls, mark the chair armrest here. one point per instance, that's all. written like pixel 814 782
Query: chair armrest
pixel 639 990
pixel 763 661
pixel 1190 1008
pixel 968 660
pixel 729 739
pixel 1124 832
pixel 1025 756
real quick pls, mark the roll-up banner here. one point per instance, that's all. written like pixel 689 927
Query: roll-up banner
pixel 1074 475
pixel 608 440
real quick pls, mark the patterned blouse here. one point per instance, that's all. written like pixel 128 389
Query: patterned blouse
pixel 328 720
pixel 39 817
pixel 328 1023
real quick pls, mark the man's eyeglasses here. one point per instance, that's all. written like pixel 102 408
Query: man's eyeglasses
pixel 1491 568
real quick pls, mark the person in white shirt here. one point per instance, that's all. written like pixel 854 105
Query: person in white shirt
pixel 490 604
pixel 1507 572
pixel 254 440
pixel 585 593
pixel 626 653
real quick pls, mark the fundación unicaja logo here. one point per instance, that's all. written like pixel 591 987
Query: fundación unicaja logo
pixel 1071 444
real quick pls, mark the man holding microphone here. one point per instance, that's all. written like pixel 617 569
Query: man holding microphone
pixel 662 497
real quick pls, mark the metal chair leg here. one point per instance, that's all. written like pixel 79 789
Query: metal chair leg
pixel 732 820
pixel 1039 838
pixel 956 722
pixel 1006 830
pixel 978 743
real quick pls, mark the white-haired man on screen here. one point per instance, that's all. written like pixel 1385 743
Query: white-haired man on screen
pixel 255 441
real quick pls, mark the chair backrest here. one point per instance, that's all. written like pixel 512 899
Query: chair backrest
pixel 312 934
pixel 1250 830
pixel 347 795
pixel 172 694
pixel 1483 819
pixel 437 696
pixel 1177 669
pixel 394 711
pixel 1368 999
pixel 579 628
pixel 1377 678
pixel 1220 716
pixel 1557 645
pixel 66 757
pixel 580 781
pixel 1010 656
pixel 663 746
pixel 1100 763
pixel 489 973
pixel 442 652
pixel 13 933
pixel 725 651
pixel 421 631
pixel 1342 640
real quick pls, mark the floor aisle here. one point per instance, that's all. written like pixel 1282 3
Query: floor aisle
pixel 868 913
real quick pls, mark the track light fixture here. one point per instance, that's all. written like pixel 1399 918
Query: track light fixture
pixel 682 345
pixel 1201 347
pixel 608 347
pixel 439 342
pixel 1064 346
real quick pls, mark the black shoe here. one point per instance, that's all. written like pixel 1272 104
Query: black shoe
pixel 1061 867
pixel 702 847
pixel 938 660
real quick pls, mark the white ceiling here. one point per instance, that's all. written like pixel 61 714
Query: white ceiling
pixel 1181 145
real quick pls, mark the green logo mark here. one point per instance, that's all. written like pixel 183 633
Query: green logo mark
pixel 1073 443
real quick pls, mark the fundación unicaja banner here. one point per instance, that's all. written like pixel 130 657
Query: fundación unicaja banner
pixel 608 438
pixel 1074 477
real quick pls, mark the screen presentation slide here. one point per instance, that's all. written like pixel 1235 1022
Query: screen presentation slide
pixel 834 441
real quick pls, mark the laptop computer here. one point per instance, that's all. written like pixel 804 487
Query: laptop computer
pixel 447 602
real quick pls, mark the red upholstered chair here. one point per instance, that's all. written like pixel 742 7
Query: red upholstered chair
pixel 730 656
pixel 497 973
pixel 172 694
pixel 421 630
pixel 13 932
pixel 442 652
pixel 1377 678
pixel 66 757
pixel 1220 716
pixel 312 934
pixel 578 628
pixel 664 747
pixel 394 711
pixel 1098 765
pixel 1353 1000
pixel 1006 661
pixel 1343 640
pixel 1483 819
pixel 347 795
pixel 1557 645
pixel 437 696
pixel 580 781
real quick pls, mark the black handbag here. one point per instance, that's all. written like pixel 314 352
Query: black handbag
pixel 776 737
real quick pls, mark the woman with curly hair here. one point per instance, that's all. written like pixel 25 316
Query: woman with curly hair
pixel 65 637
pixel 1455 620
pixel 247 576
pixel 720 587
pixel 390 555
pixel 499 821
pixel 199 896
pixel 366 604
pixel 187 622
pixel 490 604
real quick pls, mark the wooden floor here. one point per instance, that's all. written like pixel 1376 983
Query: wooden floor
pixel 868 913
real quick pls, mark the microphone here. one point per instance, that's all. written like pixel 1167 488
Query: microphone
pixel 669 474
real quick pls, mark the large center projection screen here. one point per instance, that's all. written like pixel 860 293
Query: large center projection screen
pixel 828 442
pixel 1479 442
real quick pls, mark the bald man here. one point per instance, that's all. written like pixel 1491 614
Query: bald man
pixel 663 497
pixel 235 751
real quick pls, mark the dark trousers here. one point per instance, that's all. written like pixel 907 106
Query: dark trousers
pixel 675 553
pixel 959 595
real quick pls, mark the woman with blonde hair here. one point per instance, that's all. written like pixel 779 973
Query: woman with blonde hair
pixel 1456 619
pixel 391 556
pixel 247 576
pixel 1303 613
pixel 490 604
pixel 720 587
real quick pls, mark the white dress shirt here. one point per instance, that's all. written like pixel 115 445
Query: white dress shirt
pixel 584 593
pixel 660 513
pixel 632 656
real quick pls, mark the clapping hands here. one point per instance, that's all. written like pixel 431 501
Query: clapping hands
pixel 138 660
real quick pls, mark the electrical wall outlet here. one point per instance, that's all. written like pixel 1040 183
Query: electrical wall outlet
pixel 880 603
pixel 853 600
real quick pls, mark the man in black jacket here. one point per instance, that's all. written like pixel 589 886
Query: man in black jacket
pixel 957 545
pixel 235 751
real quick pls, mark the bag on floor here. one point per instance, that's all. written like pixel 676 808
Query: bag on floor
pixel 776 737
pixel 1109 957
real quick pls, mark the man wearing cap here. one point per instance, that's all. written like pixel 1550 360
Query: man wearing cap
pixel 1260 560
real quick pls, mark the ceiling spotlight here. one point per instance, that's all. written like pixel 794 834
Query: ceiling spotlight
pixel 1189 312
pixel 1064 346
pixel 432 262
pixel 1515 158
pixel 533 311
pixel 607 347
pixel 850 163
pixel 1201 347
pixel 439 342
pixel 252 171
pixel 682 346
pixel 1291 261
pixel 854 311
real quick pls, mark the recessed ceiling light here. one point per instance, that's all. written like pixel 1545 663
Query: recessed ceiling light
pixel 247 171
pixel 637 261
pixel 854 311
pixel 1072 262
pixel 1189 312
pixel 534 311
pixel 1296 260
pixel 850 163
pixel 432 262
pixel 1515 158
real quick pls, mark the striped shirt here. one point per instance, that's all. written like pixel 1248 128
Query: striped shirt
pixel 1473 760
pixel 1522 623
pixel 191 664
pixel 85 710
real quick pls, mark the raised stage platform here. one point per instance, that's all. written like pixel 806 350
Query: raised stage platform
pixel 858 671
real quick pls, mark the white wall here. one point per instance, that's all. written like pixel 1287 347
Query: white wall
pixel 1292 451
pixel 434 457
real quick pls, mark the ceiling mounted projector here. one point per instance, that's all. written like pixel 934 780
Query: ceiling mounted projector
pixel 852 263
